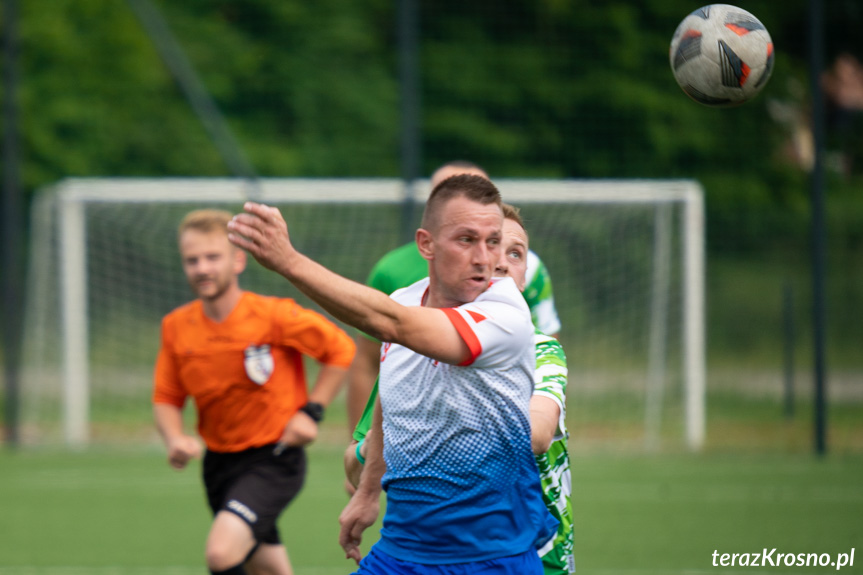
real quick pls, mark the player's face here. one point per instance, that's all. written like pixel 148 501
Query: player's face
pixel 211 263
pixel 465 249
pixel 513 254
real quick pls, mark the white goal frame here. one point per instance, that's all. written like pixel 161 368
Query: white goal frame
pixel 72 195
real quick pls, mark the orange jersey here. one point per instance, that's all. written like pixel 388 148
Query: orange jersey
pixel 245 374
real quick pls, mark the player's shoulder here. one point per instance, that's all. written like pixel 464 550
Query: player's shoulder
pixel 548 346
pixel 268 308
pixel 503 290
pixel 397 268
pixel 503 302
pixel 393 259
pixel 186 320
pixel 535 267
pixel 183 313
pixel 412 294
pixel 542 338
pixel 260 304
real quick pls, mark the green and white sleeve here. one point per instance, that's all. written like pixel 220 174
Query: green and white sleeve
pixel 550 380
pixel 539 296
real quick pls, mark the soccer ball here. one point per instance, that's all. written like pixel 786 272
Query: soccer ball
pixel 721 55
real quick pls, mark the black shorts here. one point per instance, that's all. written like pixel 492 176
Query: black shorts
pixel 255 485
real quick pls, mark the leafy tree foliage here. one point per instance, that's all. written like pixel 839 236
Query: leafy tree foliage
pixel 550 88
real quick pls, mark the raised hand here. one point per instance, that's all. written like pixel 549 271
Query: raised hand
pixel 262 231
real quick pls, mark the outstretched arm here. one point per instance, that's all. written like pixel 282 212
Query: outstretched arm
pixel 262 231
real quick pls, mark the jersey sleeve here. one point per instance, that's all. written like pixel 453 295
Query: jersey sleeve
pixel 365 422
pixel 166 383
pixel 312 334
pixel 540 297
pixel 495 330
pixel 550 376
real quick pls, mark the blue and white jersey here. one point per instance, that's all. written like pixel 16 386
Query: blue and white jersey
pixel 461 481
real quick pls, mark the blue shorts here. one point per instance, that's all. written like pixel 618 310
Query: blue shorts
pixel 379 563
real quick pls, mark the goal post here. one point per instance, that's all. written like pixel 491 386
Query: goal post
pixel 626 259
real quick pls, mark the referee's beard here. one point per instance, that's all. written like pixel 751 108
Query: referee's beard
pixel 211 287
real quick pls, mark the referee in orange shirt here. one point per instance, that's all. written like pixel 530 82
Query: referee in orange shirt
pixel 239 355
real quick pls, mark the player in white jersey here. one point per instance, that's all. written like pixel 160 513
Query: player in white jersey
pixel 463 490
pixel 458 436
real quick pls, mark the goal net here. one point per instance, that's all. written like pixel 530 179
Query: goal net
pixel 625 258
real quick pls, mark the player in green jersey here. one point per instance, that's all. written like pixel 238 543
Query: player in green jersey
pixel 553 463
pixel 547 408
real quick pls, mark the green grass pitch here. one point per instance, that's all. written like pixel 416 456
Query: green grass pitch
pixel 125 512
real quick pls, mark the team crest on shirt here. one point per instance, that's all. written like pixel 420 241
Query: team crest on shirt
pixel 259 363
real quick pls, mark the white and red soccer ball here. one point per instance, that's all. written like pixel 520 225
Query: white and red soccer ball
pixel 721 55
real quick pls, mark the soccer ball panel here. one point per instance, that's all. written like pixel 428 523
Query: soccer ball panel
pixel 721 55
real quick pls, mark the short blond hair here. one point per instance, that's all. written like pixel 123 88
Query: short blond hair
pixel 206 221
pixel 511 212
